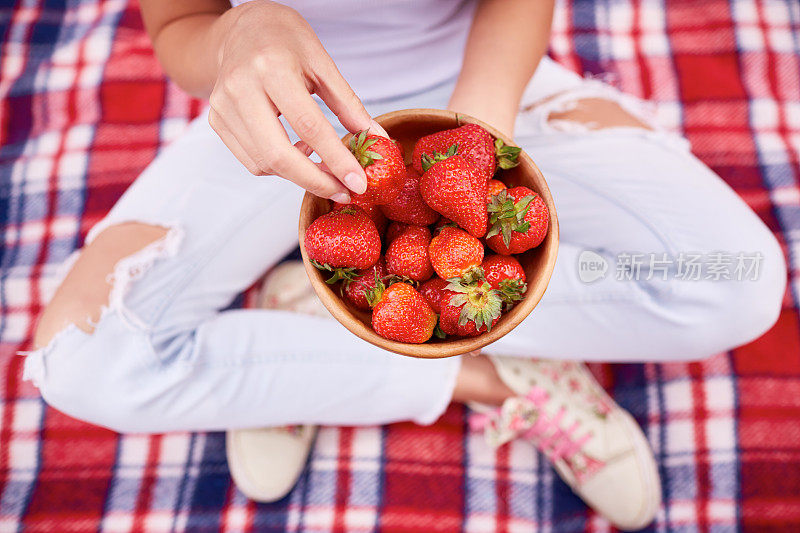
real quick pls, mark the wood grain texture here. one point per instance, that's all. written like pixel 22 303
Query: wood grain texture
pixel 406 126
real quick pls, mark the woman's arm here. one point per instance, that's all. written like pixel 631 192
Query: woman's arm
pixel 256 62
pixel 506 42
pixel 186 36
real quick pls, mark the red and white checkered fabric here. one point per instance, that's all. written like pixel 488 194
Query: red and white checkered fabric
pixel 84 107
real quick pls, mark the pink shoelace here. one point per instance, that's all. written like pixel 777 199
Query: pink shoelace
pixel 525 417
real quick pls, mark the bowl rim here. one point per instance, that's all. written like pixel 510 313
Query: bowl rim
pixel 344 316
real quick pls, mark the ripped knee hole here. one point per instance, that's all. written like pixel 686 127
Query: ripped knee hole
pixel 101 275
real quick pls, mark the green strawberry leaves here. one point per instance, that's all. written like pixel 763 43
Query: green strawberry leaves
pixel 339 273
pixel 396 278
pixel 481 303
pixel 429 160
pixel 375 294
pixel 507 156
pixel 511 291
pixel 507 215
pixel 472 275
pixel 437 331
pixel 359 145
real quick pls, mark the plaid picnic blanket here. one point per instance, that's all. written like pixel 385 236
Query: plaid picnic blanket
pixel 84 107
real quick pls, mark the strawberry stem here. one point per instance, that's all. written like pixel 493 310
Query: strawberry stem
pixel 429 160
pixel 437 331
pixel 472 275
pixel 343 274
pixel 481 303
pixel 359 146
pixel 375 294
pixel 396 278
pixel 507 156
pixel 507 214
pixel 511 291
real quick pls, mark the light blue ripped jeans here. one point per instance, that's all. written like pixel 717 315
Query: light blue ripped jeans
pixel 165 357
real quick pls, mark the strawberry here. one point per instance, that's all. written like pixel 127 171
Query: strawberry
pixel 469 310
pixel 400 313
pixel 383 164
pixel 493 187
pixel 505 274
pixel 519 219
pixel 394 230
pixel 454 253
pixel 434 290
pixel 373 211
pixel 355 290
pixel 409 207
pixel 455 189
pixel 400 147
pixel 442 223
pixel 342 242
pixel 407 255
pixel 471 142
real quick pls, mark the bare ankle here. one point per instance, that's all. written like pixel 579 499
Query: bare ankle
pixel 477 381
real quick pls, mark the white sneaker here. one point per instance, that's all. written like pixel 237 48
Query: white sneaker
pixel 595 446
pixel 266 463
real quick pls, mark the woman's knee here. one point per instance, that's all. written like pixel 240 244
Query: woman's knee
pixel 104 378
pixel 741 294
pixel 90 360
pixel 85 290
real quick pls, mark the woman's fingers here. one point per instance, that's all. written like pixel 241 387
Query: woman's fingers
pixel 303 147
pixel 341 99
pixel 287 161
pixel 293 100
pixel 377 129
pixel 295 166
pixel 219 126
pixel 251 119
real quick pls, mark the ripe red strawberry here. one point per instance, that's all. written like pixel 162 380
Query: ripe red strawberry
pixel 493 187
pixel 473 143
pixel 519 219
pixel 442 223
pixel 455 189
pixel 373 211
pixel 407 255
pixel 356 290
pixel 504 273
pixel 342 242
pixel 470 310
pixel 454 253
pixel 400 147
pixel 383 165
pixel 400 313
pixel 434 290
pixel 409 207
pixel 394 230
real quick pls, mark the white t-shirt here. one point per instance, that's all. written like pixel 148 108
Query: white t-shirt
pixel 388 48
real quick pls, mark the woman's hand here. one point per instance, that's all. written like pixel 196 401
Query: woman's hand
pixel 270 63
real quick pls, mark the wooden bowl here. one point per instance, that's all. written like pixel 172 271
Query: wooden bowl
pixel 406 127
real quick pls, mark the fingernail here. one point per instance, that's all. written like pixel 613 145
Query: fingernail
pixel 376 128
pixel 341 198
pixel 356 182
